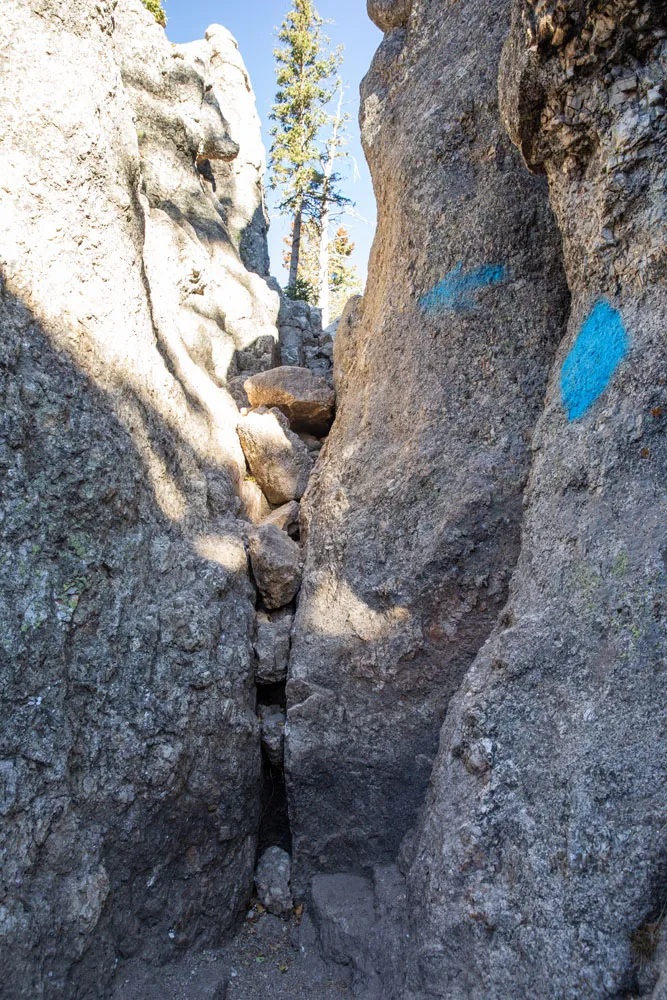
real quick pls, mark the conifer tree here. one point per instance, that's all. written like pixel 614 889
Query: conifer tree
pixel 330 196
pixel 304 73
pixel 342 278
pixel 157 10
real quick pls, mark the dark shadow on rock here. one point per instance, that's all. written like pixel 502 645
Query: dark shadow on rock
pixel 204 168
pixel 253 245
pixel 129 750
pixel 208 228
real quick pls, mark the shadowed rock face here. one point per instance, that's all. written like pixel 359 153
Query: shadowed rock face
pixel 540 866
pixel 413 513
pixel 129 747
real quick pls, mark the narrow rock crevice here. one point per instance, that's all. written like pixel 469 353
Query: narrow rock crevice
pixel 272 654
pixel 285 413
pixel 231 626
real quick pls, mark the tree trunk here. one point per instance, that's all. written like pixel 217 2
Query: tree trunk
pixel 332 153
pixel 323 277
pixel 296 247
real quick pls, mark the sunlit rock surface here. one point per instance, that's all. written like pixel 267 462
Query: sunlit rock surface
pixel 133 262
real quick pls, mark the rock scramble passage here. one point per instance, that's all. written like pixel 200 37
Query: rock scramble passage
pixel 333 663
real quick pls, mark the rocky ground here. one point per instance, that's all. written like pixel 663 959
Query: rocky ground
pixel 264 960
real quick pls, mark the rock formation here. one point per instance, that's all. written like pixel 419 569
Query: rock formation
pixel 306 400
pixel 481 538
pixel 414 510
pixel 540 866
pixel 276 565
pixel 133 261
pixel 277 458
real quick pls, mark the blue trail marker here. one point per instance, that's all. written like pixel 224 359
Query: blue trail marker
pixel 600 347
pixel 457 291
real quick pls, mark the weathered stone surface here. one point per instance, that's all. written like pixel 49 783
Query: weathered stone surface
pixel 272 728
pixel 272 880
pixel 539 872
pixel 237 392
pixel 389 14
pixel 129 746
pixel 358 926
pixel 302 338
pixel 343 911
pixel 276 565
pixel 272 643
pixel 217 316
pixel 306 400
pixel 277 458
pixel 291 345
pixel 286 517
pixel 311 442
pixel 257 507
pixel 259 356
pixel 244 213
pixel 413 514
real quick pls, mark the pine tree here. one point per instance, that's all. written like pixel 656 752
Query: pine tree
pixel 307 275
pixel 157 10
pixel 330 196
pixel 343 280
pixel 304 73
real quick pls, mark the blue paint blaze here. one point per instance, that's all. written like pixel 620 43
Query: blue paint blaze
pixel 457 291
pixel 596 354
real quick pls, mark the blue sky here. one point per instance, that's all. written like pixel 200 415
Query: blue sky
pixel 252 22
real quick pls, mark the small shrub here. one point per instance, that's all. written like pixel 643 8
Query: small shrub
pixel 303 291
pixel 157 10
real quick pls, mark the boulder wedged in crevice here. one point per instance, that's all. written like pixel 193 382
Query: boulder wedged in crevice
pixel 278 460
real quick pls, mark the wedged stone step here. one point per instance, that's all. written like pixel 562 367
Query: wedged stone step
pixel 272 643
pixel 306 399
pixel 278 459
pixel 276 565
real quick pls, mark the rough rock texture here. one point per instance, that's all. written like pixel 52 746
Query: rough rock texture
pixel 358 927
pixel 389 14
pixel 306 399
pixel 272 721
pixel 257 507
pixel 540 871
pixel 272 644
pixel 277 458
pixel 204 219
pixel 272 880
pixel 302 339
pixel 285 517
pixel 129 749
pixel 276 565
pixel 413 514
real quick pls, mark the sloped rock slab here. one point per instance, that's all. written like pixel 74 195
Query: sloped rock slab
pixel 277 458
